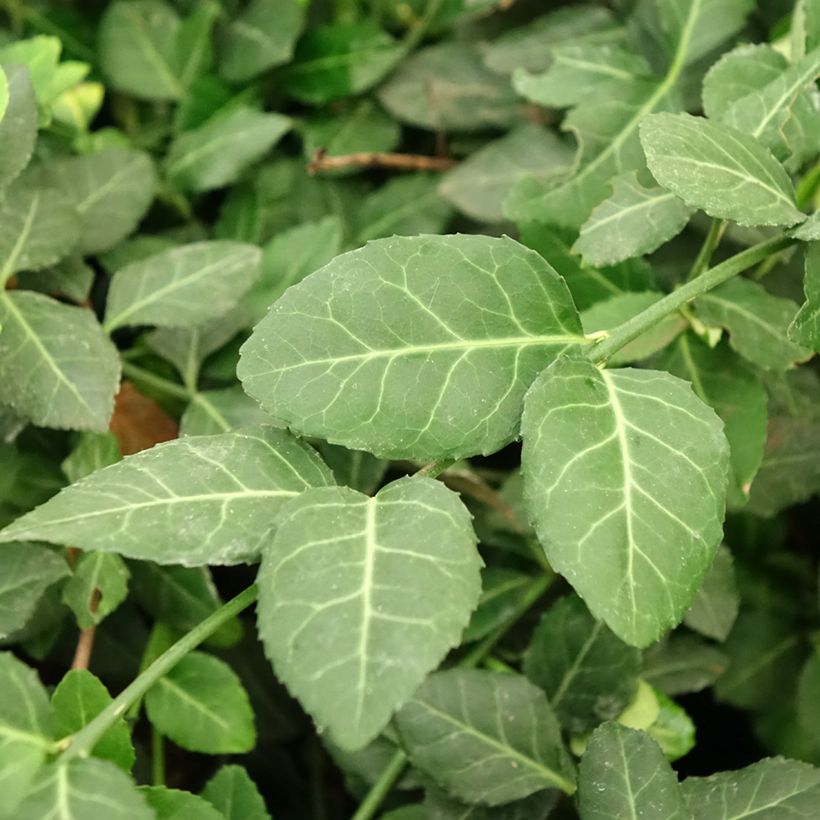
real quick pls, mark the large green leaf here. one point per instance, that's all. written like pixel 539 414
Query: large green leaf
pixel 774 788
pixel 359 598
pixel 175 804
pixel 624 773
pixel 716 604
pixel 233 793
pixel 57 367
pixel 625 478
pixel 485 737
pixel 588 673
pixel 168 289
pixel 805 327
pixel 412 348
pixel 718 169
pixel 18 125
pixel 199 500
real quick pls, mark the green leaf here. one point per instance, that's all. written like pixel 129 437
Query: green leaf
pixel 757 322
pixel 167 289
pixel 76 701
pixel 628 466
pixel 18 125
pixel 83 789
pixel 588 674
pixel 716 604
pixel 805 327
pixel 719 170
pixel 174 804
pixel 219 411
pixel 215 154
pixel 70 278
pixel 93 451
pixel 202 706
pixel 354 468
pixel 57 367
pixel 111 191
pixel 808 695
pixel 772 788
pixel 682 664
pixel 136 41
pixel 501 591
pixel 633 221
pixel 479 185
pixel 4 93
pixel 440 806
pixel 27 571
pixel 460 315
pixel 336 61
pixel 485 737
pixel 204 500
pixel 193 50
pixel 353 628
pixel 446 87
pixel 262 37
pixel 26 729
pixel 97 587
pixel 234 794
pixel 624 773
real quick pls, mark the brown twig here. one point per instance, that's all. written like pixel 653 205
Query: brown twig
pixel 85 643
pixel 377 159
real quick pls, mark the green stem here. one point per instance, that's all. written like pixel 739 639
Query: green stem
pixel 807 187
pixel 434 468
pixel 711 242
pixel 634 327
pixel 381 788
pixel 81 744
pixel 158 382
pixel 157 757
pixel 416 34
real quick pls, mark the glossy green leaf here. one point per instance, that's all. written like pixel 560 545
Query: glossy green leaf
pixel 57 367
pixel 772 788
pixel 716 604
pixel 359 598
pixel 805 327
pixel 624 773
pixel 166 289
pixel 628 466
pixel 683 663
pixel 97 587
pixel 718 169
pixel 18 125
pixel 219 411
pixel 76 701
pixel 633 221
pixel 460 315
pixel 202 706
pixel 232 792
pixel 175 804
pixel 200 500
pixel 588 674
pixel 485 737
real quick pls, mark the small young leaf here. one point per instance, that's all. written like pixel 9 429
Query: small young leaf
pixel 805 327
pixel 359 598
pixel 207 500
pixel 402 312
pixel 18 124
pixel 485 737
pixel 232 792
pixel 78 699
pixel 716 604
pixel 719 170
pixel 97 587
pixel 589 675
pixel 174 804
pixel 57 367
pixel 202 706
pixel 623 773
pixel 167 289
pixel 628 466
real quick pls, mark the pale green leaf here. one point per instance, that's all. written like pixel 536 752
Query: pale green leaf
pixel 111 191
pixel 216 153
pixel 97 587
pixel 76 701
pixel 168 289
pixel 809 231
pixel 57 367
pixel 719 170
pixel 234 794
pixel 716 604
pixel 218 411
pixel 683 663
pixel 805 327
pixel 757 322
pixel 446 87
pixel 261 37
pixel 83 789
pixel 479 185
pixel 92 451
pixel 720 378
pixel 740 72
pixel 26 570
pixel 628 466
pixel 588 674
pixel 404 330
pixel 202 706
pixel 174 804
pixel 624 773
pixel 196 500
pixel 18 125
pixel 773 788
pixel 71 278
pixel 673 729
pixel 359 598
pixel 632 221
pixel 485 737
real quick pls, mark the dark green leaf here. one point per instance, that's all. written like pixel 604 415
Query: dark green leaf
pixel 234 794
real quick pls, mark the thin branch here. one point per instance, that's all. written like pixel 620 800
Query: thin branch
pixel 85 645
pixel 378 159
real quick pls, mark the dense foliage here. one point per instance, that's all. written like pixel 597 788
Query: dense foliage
pixel 285 283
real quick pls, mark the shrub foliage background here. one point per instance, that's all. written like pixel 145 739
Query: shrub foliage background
pixel 262 311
